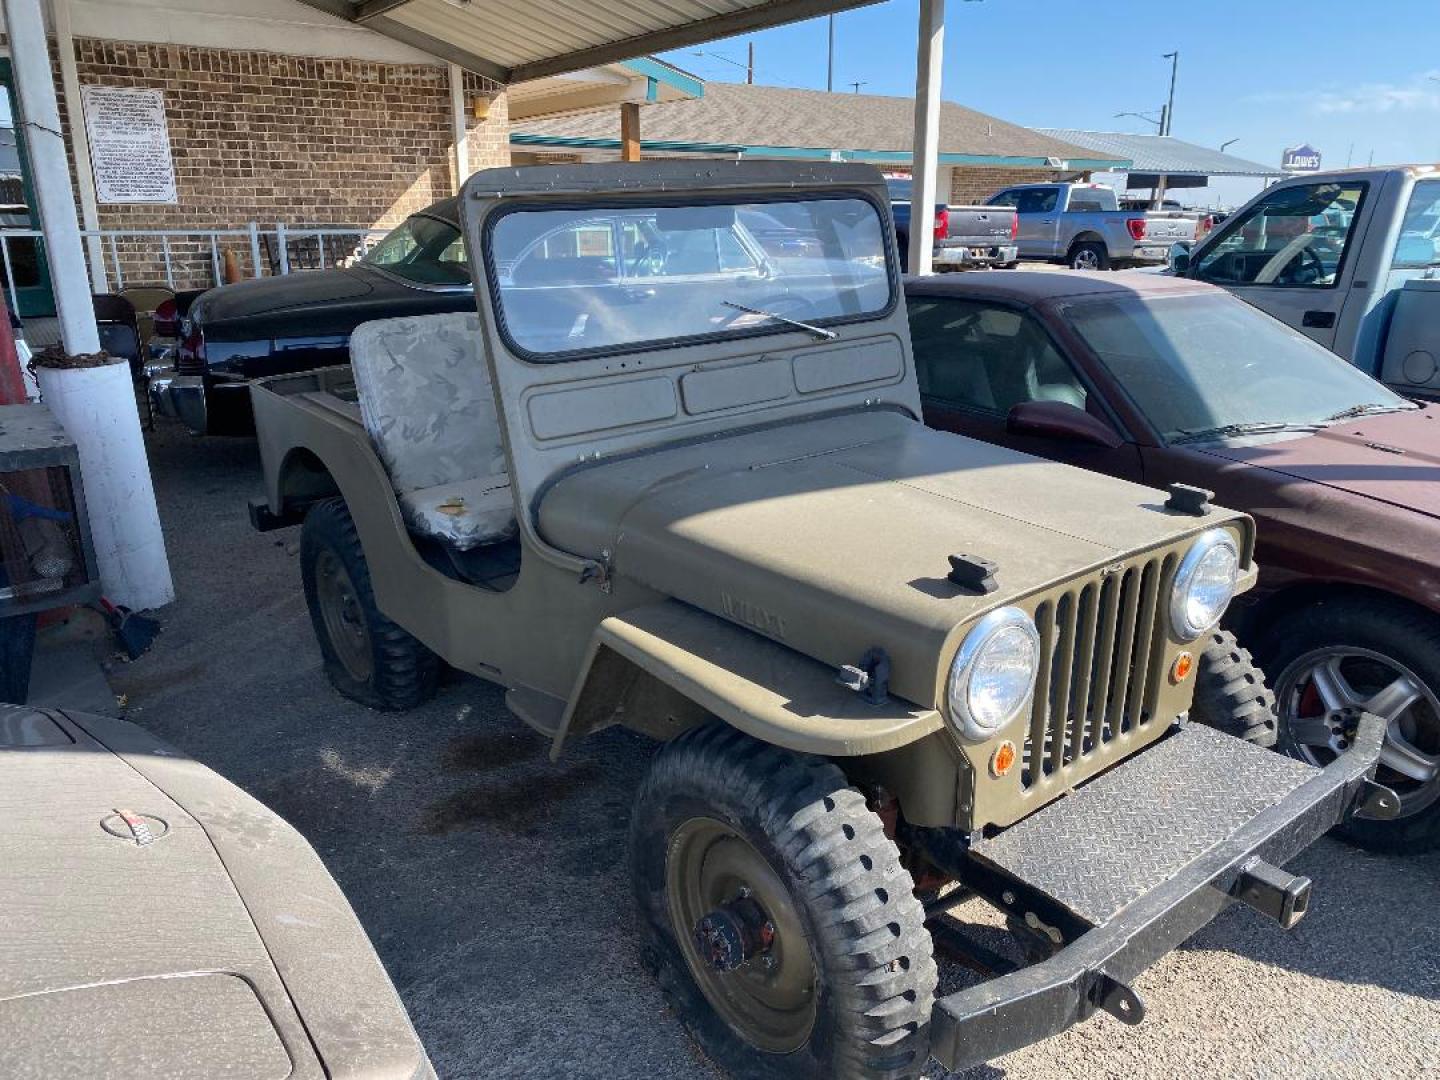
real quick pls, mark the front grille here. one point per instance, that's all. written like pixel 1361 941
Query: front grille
pixel 1101 645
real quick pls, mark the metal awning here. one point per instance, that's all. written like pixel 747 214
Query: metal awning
pixel 517 40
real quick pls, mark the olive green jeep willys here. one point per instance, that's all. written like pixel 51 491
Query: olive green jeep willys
pixel 671 475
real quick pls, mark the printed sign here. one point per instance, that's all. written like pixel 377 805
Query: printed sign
pixel 1299 159
pixel 129 145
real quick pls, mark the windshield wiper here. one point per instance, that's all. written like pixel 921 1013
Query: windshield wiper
pixel 1367 409
pixel 1255 427
pixel 818 331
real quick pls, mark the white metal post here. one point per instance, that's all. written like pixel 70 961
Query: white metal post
pixel 96 404
pixel 925 155
pixel 460 126
pixel 80 143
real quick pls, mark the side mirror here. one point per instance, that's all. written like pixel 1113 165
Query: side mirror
pixel 1059 420
pixel 1179 258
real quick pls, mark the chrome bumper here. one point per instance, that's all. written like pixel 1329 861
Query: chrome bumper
pixel 180 397
pixel 961 256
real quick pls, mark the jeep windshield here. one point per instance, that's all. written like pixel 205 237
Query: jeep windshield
pixel 588 280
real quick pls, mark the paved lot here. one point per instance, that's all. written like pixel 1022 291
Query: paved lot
pixel 493 883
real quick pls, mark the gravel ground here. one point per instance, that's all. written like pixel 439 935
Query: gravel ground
pixel 493 884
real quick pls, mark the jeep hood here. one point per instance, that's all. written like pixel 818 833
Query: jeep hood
pixel 1391 457
pixel 833 535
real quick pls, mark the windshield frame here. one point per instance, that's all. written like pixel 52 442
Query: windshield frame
pixel 661 200
pixel 1065 307
pixel 401 279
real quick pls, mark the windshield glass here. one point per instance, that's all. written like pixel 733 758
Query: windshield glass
pixel 424 250
pixel 593 279
pixel 1192 363
pixel 1419 243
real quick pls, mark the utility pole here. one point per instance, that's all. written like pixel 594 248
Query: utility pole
pixel 750 64
pixel 857 85
pixel 830 65
pixel 1169 115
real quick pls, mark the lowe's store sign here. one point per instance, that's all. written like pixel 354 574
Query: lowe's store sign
pixel 1301 159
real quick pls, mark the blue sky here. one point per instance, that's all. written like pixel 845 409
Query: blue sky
pixel 1269 74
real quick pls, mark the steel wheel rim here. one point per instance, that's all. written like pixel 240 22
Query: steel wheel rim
pixel 1317 684
pixel 770 1001
pixel 343 617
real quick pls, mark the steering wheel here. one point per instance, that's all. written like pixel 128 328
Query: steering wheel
pixel 1308 268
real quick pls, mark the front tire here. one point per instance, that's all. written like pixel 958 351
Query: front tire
pixel 1377 654
pixel 1230 691
pixel 1088 256
pixel 368 658
pixel 776 915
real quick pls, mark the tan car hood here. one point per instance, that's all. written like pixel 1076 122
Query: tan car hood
pixel 833 535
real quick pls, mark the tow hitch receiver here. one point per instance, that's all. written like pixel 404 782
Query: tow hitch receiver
pixel 1274 892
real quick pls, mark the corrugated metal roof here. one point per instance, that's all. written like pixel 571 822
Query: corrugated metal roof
pixel 516 40
pixel 859 126
pixel 1162 154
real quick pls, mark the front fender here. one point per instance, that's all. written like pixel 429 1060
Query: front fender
pixel 705 666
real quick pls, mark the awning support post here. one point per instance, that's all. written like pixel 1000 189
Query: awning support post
pixel 925 155
pixel 630 131
pixel 460 126
pixel 96 404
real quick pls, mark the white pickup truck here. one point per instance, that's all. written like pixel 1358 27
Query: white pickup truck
pixel 1351 258
pixel 1083 226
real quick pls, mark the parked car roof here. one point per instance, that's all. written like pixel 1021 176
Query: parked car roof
pixel 1034 286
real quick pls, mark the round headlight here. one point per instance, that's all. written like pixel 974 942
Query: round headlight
pixel 993 673
pixel 1204 584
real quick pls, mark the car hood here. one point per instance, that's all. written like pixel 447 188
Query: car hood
pixel 1391 457
pixel 834 535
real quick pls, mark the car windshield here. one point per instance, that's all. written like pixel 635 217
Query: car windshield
pixel 1419 243
pixel 423 250
pixel 1214 365
pixel 584 280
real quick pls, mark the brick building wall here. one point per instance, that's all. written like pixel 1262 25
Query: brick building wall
pixel 974 184
pixel 269 137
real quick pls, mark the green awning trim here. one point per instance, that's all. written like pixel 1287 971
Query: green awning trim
pixel 664 73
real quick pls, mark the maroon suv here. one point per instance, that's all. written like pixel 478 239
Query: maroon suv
pixel 1160 380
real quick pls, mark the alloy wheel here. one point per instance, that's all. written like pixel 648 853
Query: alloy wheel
pixel 1319 688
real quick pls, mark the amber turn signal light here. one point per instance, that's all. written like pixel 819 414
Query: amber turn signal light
pixel 1182 667
pixel 1003 760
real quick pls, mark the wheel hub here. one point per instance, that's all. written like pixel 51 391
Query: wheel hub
pixel 734 934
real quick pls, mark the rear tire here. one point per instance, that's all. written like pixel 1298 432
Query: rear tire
pixel 1373 643
pixel 368 658
pixel 845 986
pixel 1230 691
pixel 1088 256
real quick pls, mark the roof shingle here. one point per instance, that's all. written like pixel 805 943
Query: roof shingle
pixel 743 116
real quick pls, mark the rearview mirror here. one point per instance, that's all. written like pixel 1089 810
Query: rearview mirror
pixel 1059 420
pixel 1179 257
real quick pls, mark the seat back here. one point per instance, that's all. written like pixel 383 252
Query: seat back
pixel 426 401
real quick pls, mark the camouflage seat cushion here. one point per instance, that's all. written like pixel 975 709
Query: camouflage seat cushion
pixel 426 402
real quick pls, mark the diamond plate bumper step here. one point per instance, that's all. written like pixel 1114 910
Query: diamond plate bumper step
pixel 1128 866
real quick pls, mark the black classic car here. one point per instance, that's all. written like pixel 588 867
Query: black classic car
pixel 270 326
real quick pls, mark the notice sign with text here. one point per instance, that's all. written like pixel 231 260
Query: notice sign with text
pixel 129 145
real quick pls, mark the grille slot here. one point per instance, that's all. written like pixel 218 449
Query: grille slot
pixel 1101 653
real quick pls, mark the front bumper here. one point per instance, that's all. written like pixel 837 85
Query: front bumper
pixel 1092 971
pixel 961 256
pixel 181 397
